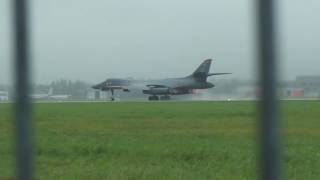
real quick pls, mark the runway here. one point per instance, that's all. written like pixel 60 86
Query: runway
pixel 173 100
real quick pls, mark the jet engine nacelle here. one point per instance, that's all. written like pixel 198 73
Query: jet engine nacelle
pixel 182 91
pixel 157 91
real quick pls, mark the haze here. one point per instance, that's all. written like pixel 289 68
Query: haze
pixel 95 40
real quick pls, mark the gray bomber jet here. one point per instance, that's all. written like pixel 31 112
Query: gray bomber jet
pixel 163 88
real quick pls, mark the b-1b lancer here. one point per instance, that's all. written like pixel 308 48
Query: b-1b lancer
pixel 163 88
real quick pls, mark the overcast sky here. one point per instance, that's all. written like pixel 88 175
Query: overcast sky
pixel 95 40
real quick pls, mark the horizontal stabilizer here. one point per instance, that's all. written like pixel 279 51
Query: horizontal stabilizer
pixel 216 74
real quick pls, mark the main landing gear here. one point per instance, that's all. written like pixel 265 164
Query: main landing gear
pixel 156 98
pixel 165 97
pixel 153 98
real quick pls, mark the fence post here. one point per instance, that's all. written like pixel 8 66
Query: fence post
pixel 22 105
pixel 270 135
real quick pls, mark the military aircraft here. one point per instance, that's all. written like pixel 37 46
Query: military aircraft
pixel 163 88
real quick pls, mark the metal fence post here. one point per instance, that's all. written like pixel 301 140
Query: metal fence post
pixel 22 105
pixel 270 135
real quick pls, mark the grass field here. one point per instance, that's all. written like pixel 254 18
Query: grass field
pixel 161 140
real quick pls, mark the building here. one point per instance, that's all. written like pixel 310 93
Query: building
pixel 4 96
pixel 309 84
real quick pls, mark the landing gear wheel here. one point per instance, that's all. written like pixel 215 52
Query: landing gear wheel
pixel 165 97
pixel 112 99
pixel 153 98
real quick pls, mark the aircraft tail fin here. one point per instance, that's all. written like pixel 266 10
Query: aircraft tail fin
pixel 202 71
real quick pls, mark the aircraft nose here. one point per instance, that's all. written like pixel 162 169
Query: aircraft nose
pixel 97 86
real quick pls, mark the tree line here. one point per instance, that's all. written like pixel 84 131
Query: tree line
pixel 76 89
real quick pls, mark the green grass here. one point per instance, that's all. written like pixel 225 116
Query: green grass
pixel 161 140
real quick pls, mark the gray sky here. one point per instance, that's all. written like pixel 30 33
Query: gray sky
pixel 94 40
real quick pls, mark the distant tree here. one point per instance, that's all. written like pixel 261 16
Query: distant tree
pixel 77 89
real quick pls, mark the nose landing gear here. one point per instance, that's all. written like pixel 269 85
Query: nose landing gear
pixel 112 95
